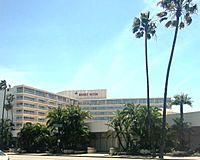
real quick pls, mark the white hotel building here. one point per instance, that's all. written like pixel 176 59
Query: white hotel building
pixel 32 105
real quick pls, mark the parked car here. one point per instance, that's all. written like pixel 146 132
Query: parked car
pixel 3 156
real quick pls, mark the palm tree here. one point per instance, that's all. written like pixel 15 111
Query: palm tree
pixel 116 125
pixel 181 100
pixel 3 87
pixel 67 125
pixel 178 13
pixel 9 105
pixel 175 132
pixel 144 26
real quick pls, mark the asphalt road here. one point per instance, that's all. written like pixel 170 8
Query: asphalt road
pixel 29 157
pixel 84 157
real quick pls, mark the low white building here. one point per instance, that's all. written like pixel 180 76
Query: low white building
pixel 194 119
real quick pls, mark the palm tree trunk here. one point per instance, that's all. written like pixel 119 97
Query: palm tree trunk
pixel 122 132
pixel 120 142
pixel 182 134
pixel 12 113
pixel 7 114
pixel 4 100
pixel 163 134
pixel 148 101
pixel 2 122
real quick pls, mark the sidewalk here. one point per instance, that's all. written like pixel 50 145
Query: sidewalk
pixel 104 155
pixel 101 155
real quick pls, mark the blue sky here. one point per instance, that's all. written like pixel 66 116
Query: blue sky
pixel 60 45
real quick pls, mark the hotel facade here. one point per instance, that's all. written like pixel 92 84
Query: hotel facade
pixel 32 105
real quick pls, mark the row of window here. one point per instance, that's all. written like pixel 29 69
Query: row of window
pixel 35 100
pixel 101 118
pixel 102 113
pixel 36 106
pixel 122 101
pixel 19 111
pixel 26 118
pixel 114 108
pixel 41 94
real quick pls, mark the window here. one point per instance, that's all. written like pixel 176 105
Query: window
pixel 29 105
pixel 19 97
pixel 61 98
pixel 102 113
pixel 18 111
pixel 28 118
pixel 28 90
pixel 28 112
pixel 101 118
pixel 19 104
pixel 52 96
pixel 39 93
pixel 102 108
pixel 42 107
pixel 52 103
pixel 20 90
pixel 42 101
pixel 41 113
pixel 18 124
pixel 19 118
pixel 29 98
pixel 41 119
pixel 142 101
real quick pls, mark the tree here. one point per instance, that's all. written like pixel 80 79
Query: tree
pixel 33 137
pixel 176 131
pixel 9 106
pixel 116 124
pixel 178 13
pixel 67 126
pixel 144 26
pixel 181 100
pixel 6 137
pixel 26 137
pixel 156 124
pixel 131 130
pixel 3 87
pixel 123 124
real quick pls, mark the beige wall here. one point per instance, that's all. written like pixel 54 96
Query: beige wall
pixel 98 126
pixel 192 117
pixel 85 94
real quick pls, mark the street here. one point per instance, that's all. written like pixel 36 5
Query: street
pixel 33 157
pixel 86 157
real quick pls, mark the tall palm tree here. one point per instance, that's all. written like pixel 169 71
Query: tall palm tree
pixel 3 87
pixel 9 106
pixel 181 100
pixel 144 26
pixel 178 14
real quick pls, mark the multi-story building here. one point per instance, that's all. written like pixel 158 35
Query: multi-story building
pixel 32 105
pixel 102 108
